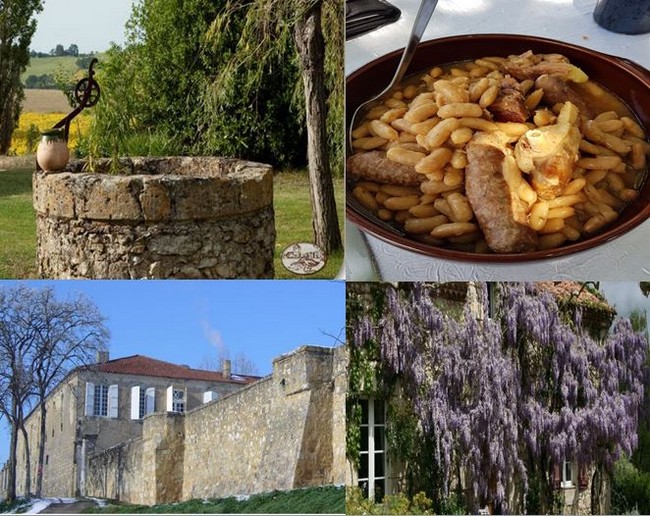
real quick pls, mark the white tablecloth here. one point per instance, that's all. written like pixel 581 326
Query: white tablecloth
pixel 625 258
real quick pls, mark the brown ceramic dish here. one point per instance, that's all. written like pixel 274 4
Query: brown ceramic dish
pixel 626 79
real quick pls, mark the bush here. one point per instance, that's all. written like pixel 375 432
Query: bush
pixel 630 489
pixel 357 503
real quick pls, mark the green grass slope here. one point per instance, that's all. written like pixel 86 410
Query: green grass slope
pixel 50 65
pixel 313 500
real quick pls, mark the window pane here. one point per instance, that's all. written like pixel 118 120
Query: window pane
pixel 364 411
pixel 364 487
pixel 379 437
pixel 363 466
pixel 567 471
pixel 364 439
pixel 379 464
pixel 379 412
pixel 380 490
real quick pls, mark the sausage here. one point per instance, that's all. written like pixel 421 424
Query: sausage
pixel 499 212
pixel 375 166
pixel 556 90
pixel 509 106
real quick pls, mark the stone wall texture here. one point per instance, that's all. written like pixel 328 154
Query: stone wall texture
pixel 177 217
pixel 282 432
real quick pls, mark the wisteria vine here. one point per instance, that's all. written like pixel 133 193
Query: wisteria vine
pixel 506 395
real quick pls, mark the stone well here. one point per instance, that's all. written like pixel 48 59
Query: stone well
pixel 176 217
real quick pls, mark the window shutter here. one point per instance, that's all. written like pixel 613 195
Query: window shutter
pixel 135 402
pixel 150 400
pixel 90 399
pixel 170 398
pixel 112 401
pixel 583 476
pixel 556 476
pixel 209 396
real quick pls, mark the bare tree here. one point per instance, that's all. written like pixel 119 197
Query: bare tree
pixel 16 385
pixel 53 336
pixel 67 334
pixel 241 364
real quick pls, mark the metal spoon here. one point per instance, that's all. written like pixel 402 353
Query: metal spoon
pixel 421 21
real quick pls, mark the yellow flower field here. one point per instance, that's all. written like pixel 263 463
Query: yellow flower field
pixel 26 136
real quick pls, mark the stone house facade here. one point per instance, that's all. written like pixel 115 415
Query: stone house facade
pixel 380 472
pixel 100 405
pixel 194 434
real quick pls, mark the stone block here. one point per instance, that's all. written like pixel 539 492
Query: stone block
pixel 112 198
pixel 155 201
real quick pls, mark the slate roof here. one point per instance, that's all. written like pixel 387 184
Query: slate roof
pixel 141 365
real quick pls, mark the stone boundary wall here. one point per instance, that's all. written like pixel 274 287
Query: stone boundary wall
pixel 115 473
pixel 177 217
pixel 282 432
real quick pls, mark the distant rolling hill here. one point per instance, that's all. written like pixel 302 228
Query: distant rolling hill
pixel 50 65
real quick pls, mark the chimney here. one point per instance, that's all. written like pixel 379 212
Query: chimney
pixel 102 356
pixel 226 369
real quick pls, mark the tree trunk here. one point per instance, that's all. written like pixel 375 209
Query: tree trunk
pixel 28 463
pixel 13 445
pixel 308 36
pixel 11 97
pixel 41 449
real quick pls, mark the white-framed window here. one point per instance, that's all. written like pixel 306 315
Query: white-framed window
pixel 142 401
pixel 568 477
pixel 176 399
pixel 102 400
pixel 100 407
pixel 372 459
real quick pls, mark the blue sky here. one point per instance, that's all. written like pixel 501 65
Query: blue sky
pixel 91 25
pixel 185 321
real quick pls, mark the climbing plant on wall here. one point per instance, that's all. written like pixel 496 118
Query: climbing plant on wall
pixel 505 398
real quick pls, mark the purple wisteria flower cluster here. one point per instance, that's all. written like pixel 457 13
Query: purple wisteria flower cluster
pixel 510 394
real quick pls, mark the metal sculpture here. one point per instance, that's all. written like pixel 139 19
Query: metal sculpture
pixel 86 94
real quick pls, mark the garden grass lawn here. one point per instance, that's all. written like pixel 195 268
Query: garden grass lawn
pixel 17 225
pixel 292 222
pixel 313 500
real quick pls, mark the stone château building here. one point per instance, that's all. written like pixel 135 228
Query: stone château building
pixel 146 431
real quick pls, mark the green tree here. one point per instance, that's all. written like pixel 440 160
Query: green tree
pixel 269 25
pixel 17 26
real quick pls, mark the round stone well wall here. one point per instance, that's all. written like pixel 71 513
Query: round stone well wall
pixel 176 217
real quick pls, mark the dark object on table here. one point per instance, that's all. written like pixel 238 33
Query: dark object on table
pixel 362 16
pixel 624 16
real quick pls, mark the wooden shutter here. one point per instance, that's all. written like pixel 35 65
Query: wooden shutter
pixel 135 402
pixel 583 476
pixel 150 400
pixel 556 475
pixel 113 400
pixel 209 396
pixel 170 398
pixel 90 399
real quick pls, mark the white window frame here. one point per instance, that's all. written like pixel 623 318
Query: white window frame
pixel 100 407
pixel 567 481
pixel 374 449
pixel 175 404
pixel 142 401
pixel 101 400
